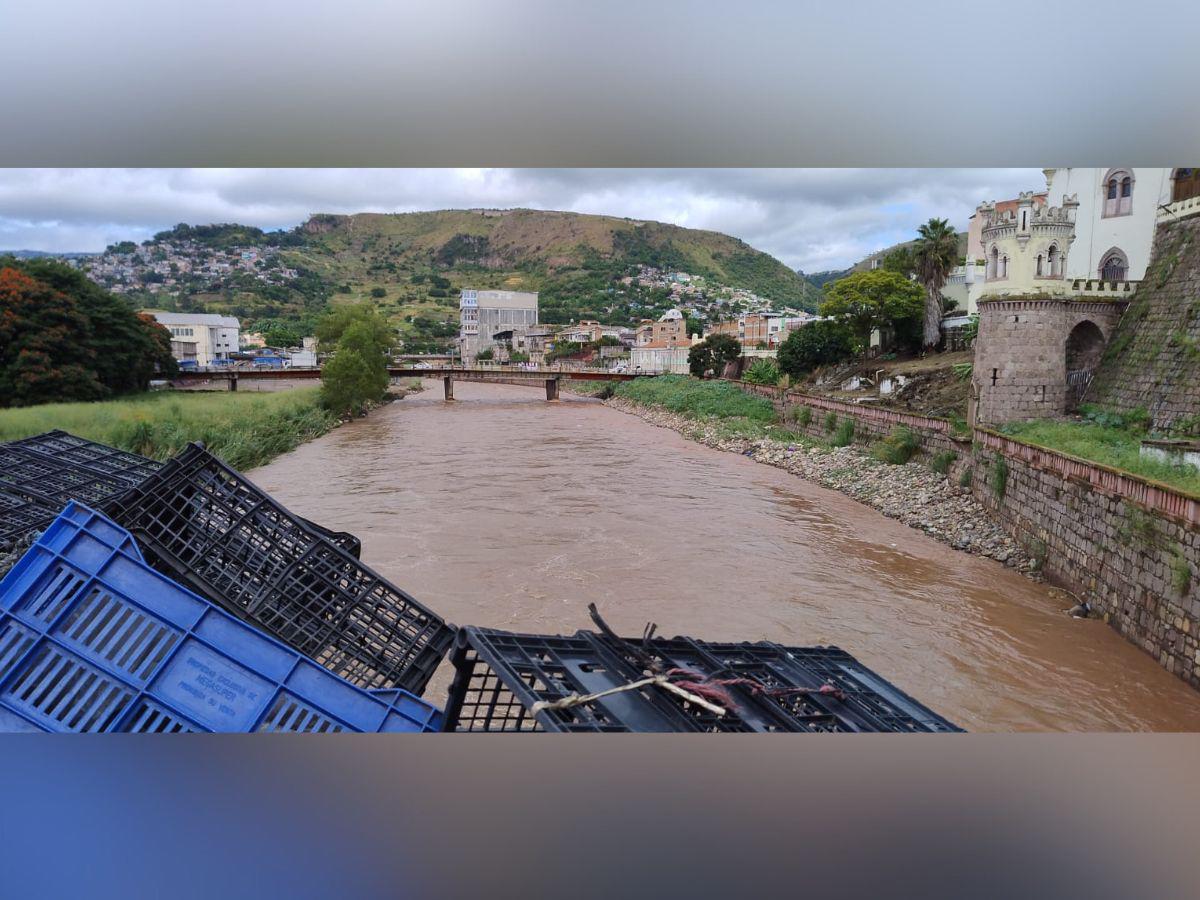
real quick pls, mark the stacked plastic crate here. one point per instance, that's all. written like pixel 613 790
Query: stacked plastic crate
pixel 94 640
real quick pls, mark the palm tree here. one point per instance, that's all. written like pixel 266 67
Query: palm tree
pixel 934 256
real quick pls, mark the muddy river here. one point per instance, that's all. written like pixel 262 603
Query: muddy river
pixel 504 510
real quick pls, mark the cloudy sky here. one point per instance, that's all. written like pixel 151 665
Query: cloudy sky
pixel 811 219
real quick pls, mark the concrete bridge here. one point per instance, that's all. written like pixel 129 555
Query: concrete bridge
pixel 278 379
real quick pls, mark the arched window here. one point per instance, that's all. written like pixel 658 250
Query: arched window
pixel 1039 266
pixel 1118 192
pixel 1054 261
pixel 1004 267
pixel 993 266
pixel 1114 266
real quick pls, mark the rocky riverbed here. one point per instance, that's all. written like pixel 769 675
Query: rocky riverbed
pixel 911 493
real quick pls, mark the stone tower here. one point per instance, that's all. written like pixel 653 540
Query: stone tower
pixel 1039 338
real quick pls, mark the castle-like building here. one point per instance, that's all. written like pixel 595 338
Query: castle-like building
pixel 1041 332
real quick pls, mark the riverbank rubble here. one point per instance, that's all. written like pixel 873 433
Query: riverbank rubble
pixel 911 493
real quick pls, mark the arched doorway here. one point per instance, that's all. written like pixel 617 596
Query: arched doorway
pixel 1085 345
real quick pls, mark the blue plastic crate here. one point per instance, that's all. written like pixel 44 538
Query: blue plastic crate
pixel 93 639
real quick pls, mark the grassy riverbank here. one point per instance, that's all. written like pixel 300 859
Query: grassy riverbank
pixel 733 412
pixel 244 429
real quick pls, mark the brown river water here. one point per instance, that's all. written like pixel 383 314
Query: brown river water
pixel 506 511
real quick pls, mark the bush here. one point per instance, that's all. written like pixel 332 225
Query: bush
pixel 845 433
pixel 378 293
pixel 830 422
pixel 485 354
pixel 803 415
pixel 943 461
pixel 964 479
pixel 898 447
pixel 1000 478
pixel 762 372
pixel 518 357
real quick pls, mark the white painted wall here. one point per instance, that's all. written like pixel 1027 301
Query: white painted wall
pixel 1095 235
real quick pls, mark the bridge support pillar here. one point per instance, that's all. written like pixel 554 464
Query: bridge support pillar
pixel 448 383
pixel 233 381
pixel 551 388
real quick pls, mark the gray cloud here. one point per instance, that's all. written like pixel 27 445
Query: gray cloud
pixel 811 219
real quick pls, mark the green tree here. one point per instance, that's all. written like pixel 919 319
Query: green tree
pixel 694 326
pixel 281 336
pixel 865 301
pixel 124 350
pixel 485 354
pixel 934 256
pixel 357 375
pixel 815 344
pixel 347 383
pixel 334 323
pixel 43 357
pixel 712 354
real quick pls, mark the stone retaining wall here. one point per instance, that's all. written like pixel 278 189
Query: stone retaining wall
pixel 1128 546
pixel 871 423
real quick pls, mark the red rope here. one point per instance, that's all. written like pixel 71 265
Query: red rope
pixel 713 689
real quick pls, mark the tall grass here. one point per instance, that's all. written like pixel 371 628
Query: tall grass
pixel 735 413
pixel 698 399
pixel 1118 447
pixel 244 429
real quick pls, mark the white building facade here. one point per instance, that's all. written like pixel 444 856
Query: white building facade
pixel 1115 220
pixel 200 338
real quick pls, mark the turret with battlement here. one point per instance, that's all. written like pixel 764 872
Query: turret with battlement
pixel 1025 249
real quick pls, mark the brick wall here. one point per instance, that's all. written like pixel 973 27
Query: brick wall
pixel 1129 547
pixel 1153 360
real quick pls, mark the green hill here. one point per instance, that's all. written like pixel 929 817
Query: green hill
pixel 413 265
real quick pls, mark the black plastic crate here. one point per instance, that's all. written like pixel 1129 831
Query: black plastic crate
pixel 60 467
pixel 500 677
pixel 53 480
pixel 129 468
pixel 509 682
pixel 836 691
pixel 22 513
pixel 210 528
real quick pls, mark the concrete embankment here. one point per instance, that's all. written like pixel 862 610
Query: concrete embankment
pixel 911 493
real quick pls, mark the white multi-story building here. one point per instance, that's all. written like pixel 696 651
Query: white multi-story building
pixel 202 338
pixel 483 313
